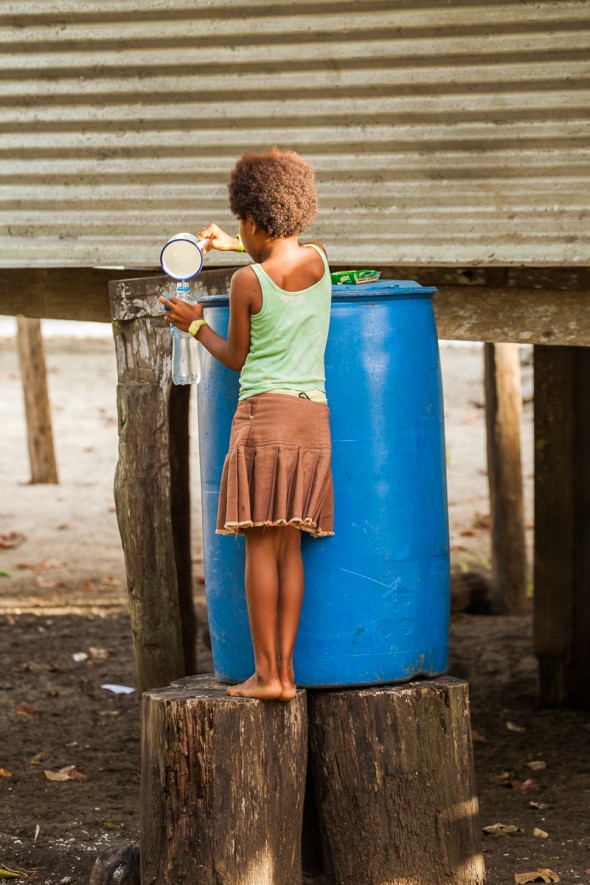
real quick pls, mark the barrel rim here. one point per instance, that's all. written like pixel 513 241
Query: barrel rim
pixel 361 292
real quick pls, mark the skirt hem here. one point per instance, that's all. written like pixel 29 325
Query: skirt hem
pixel 303 525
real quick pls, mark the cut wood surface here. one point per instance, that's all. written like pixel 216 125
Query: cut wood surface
pixel 395 784
pixel 503 399
pixel 36 396
pixel 223 783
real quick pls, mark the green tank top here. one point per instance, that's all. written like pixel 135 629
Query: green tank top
pixel 288 337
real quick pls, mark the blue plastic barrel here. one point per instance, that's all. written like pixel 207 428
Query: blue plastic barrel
pixel 376 604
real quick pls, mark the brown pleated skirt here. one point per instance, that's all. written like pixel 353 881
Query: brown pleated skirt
pixel 277 471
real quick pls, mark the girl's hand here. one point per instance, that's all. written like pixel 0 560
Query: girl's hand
pixel 180 313
pixel 218 239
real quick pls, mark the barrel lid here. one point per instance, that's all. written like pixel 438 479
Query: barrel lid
pixel 361 291
pixel 382 288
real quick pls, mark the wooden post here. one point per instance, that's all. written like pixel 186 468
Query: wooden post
pixel 562 524
pixel 395 784
pixel 37 411
pixel 152 479
pixel 503 424
pixel 222 787
pixel 143 499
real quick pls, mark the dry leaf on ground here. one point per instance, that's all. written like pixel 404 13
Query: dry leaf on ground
pixel 543 875
pixel 536 765
pixel 540 834
pixel 4 772
pixel 45 566
pixel 512 726
pixel 501 830
pixel 528 784
pixel 478 738
pixel 110 582
pixel 68 773
pixel 37 759
pixel 11 539
pixel 45 584
pixel 10 874
pixel 25 710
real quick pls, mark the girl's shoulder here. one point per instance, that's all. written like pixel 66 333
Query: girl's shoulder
pixel 319 246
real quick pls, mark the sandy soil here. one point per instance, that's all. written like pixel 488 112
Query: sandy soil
pixel 64 596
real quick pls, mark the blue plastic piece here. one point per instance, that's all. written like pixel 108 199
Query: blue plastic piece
pixel 376 606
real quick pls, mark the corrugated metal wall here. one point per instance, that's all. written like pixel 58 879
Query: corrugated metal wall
pixel 442 132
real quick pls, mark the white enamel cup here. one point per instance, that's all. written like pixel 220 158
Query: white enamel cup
pixel 182 256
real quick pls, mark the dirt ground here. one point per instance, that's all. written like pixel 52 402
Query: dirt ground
pixel 63 596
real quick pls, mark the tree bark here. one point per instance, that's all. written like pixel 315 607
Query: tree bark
pixel 37 411
pixel 503 423
pixel 395 784
pixel 223 783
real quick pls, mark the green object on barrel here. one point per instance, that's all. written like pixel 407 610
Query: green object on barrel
pixel 352 277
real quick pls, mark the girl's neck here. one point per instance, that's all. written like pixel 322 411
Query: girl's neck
pixel 279 248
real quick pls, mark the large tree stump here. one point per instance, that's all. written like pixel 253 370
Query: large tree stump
pixel 37 411
pixel 223 782
pixel 395 784
pixel 503 424
pixel 562 524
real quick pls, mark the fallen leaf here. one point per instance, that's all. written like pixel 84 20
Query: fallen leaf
pixel 25 710
pixel 478 738
pixel 37 831
pixel 98 654
pixel 110 826
pixel 68 773
pixel 481 521
pixel 37 759
pixel 80 656
pixel 511 726
pixel 44 584
pixel 9 874
pixel 540 805
pixel 504 775
pixel 110 713
pixel 501 829
pixel 528 784
pixel 11 539
pixel 4 573
pixel 45 566
pixel 89 585
pixel 4 772
pixel 543 875
pixel 110 582
pixel 469 533
pixel 63 527
pixel 540 834
pixel 537 765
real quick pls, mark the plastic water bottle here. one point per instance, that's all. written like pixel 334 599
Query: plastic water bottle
pixel 186 366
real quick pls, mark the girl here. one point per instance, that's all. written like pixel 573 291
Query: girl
pixel 277 479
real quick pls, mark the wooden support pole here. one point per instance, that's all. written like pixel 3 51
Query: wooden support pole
pixel 222 787
pixel 143 498
pixel 180 506
pixel 562 524
pixel 503 424
pixel 395 784
pixel 37 411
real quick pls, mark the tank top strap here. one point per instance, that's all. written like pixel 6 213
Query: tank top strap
pixel 320 252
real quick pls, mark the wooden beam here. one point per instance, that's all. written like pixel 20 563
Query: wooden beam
pixel 36 395
pixel 503 400
pixel 562 524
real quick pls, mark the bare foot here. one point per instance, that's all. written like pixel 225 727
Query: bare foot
pixel 256 687
pixel 289 690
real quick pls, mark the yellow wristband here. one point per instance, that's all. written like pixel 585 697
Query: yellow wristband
pixel 240 244
pixel 195 326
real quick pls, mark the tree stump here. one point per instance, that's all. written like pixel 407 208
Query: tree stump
pixel 117 865
pixel 223 782
pixel 395 784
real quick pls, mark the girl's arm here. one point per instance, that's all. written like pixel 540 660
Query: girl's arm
pixel 231 352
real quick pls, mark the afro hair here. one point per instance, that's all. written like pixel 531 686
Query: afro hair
pixel 276 189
